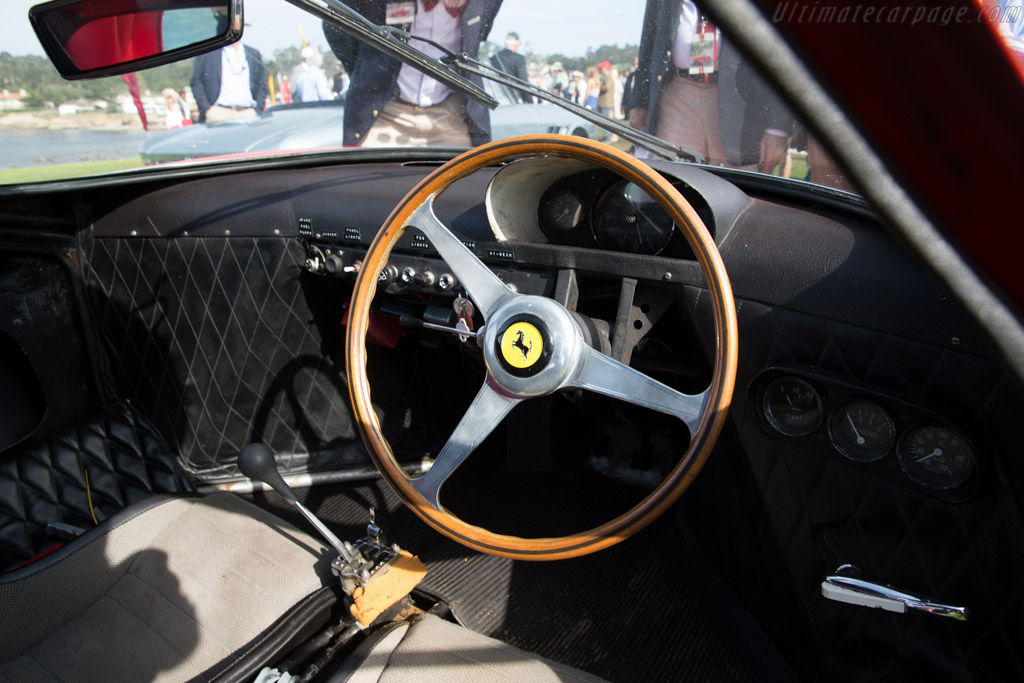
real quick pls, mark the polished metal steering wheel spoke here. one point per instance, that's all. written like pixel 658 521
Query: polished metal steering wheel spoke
pixel 484 287
pixel 488 409
pixel 601 374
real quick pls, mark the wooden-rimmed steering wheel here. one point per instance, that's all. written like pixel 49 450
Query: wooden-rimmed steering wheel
pixel 532 346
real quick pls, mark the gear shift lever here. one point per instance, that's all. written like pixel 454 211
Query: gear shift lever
pixel 256 461
pixel 375 575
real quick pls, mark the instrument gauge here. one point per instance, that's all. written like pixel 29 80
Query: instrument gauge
pixel 792 406
pixel 861 430
pixel 627 219
pixel 936 456
pixel 561 210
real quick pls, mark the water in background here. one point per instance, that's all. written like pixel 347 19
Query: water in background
pixel 21 148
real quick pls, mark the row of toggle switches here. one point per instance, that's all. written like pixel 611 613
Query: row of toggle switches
pixel 336 263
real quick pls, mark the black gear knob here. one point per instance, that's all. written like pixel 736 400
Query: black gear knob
pixel 256 461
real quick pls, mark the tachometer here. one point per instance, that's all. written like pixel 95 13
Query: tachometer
pixel 627 219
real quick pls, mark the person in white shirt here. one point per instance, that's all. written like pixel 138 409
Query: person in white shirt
pixel 691 88
pixel 310 80
pixel 394 105
pixel 177 110
pixel 229 83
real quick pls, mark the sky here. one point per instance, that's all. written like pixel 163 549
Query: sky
pixel 545 27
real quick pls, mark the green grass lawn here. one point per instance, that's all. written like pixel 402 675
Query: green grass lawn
pixel 35 174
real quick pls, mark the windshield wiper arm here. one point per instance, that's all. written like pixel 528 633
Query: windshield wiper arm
pixel 388 41
pixel 652 143
pixel 394 42
pixel 639 138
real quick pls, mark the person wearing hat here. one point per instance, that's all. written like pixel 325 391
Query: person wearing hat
pixel 310 80
pixel 510 61
pixel 559 80
pixel 606 97
pixel 390 104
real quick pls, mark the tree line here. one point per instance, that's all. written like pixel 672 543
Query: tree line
pixel 44 86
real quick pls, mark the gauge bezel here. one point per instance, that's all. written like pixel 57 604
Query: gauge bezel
pixel 775 422
pixel 546 198
pixel 902 456
pixel 851 451
pixel 604 241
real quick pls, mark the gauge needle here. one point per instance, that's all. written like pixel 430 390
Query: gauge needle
pixel 860 439
pixel 937 451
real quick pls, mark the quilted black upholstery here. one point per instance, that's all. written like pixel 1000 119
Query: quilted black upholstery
pixel 970 553
pixel 216 341
pixel 125 460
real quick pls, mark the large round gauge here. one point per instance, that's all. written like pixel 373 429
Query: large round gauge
pixel 561 210
pixel 792 406
pixel 936 456
pixel 861 430
pixel 627 219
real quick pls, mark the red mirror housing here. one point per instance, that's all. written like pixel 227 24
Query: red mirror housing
pixel 95 38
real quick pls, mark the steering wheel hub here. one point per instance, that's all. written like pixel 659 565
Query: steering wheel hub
pixel 531 346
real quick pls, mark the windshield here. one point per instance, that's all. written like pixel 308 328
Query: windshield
pixel 294 85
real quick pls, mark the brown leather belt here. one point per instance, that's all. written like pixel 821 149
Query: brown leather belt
pixel 697 78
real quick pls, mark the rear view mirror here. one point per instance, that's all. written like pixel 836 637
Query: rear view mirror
pixel 93 38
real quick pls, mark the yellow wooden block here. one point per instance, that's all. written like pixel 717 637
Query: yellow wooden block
pixel 385 589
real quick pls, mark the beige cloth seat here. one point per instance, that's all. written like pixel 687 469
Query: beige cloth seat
pixel 212 588
pixel 435 650
pixel 169 589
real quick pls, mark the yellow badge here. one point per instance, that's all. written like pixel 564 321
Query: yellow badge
pixel 521 345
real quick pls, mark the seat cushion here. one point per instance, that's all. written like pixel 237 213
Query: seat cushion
pixel 436 650
pixel 96 468
pixel 170 590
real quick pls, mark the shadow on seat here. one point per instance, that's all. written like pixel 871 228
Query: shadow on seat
pixel 172 588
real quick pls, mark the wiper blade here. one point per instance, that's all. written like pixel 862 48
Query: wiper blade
pixel 389 41
pixel 651 143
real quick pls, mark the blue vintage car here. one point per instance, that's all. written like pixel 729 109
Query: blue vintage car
pixel 318 125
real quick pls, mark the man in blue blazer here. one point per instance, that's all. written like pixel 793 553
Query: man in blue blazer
pixel 390 104
pixel 229 83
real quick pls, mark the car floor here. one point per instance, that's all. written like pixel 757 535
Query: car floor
pixel 651 608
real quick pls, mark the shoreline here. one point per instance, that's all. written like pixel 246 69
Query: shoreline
pixel 51 120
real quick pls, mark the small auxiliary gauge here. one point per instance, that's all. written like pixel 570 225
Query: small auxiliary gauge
pixel 792 406
pixel 861 430
pixel 561 210
pixel 936 456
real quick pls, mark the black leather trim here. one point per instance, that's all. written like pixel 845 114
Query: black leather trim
pixel 291 629
pixel 82 475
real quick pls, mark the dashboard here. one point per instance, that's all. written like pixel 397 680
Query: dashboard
pixel 563 229
pixel 866 401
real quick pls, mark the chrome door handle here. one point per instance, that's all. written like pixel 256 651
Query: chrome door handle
pixel 845 586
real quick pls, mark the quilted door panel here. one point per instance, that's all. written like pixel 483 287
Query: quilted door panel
pixel 214 340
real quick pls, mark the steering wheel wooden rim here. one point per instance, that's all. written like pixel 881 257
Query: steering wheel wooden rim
pixel 719 393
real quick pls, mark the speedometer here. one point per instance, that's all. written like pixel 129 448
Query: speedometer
pixel 627 219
